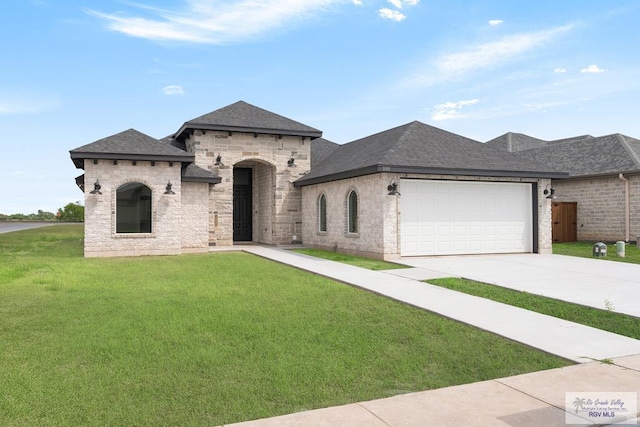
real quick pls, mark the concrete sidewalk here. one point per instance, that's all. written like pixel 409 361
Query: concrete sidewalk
pixel 569 340
pixel 530 400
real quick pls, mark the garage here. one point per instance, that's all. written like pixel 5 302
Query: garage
pixel 465 217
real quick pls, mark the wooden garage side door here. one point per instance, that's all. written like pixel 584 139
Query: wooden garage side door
pixel 564 219
pixel 465 217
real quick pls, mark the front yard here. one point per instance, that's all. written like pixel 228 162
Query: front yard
pixel 211 339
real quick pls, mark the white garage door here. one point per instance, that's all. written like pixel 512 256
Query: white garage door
pixel 458 217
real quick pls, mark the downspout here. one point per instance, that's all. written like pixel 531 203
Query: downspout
pixel 626 206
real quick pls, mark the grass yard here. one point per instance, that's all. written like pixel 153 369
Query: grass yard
pixel 585 250
pixel 611 321
pixel 211 339
pixel 368 263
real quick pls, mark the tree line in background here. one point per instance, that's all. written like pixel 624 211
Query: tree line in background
pixel 72 212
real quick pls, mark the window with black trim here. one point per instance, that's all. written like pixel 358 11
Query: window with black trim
pixel 133 208
pixel 352 212
pixel 322 213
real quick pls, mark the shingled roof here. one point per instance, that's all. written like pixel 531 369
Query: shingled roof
pixel 513 142
pixel 193 173
pixel 586 155
pixel 320 149
pixel 420 148
pixel 129 145
pixel 244 117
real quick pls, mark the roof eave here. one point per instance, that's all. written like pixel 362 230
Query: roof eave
pixel 601 175
pixel 79 157
pixel 209 180
pixel 476 172
pixel 353 173
pixel 313 134
pixel 430 171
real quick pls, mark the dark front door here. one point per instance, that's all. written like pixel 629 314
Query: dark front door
pixel 242 205
pixel 564 226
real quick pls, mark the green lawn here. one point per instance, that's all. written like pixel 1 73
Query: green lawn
pixel 585 250
pixel 611 321
pixel 368 263
pixel 211 339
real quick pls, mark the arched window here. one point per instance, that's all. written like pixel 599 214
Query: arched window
pixel 352 212
pixel 322 213
pixel 133 208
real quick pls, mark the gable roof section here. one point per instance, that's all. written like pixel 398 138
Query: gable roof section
pixel 420 148
pixel 244 117
pixel 129 145
pixel 610 154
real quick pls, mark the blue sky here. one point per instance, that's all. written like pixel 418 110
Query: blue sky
pixel 75 71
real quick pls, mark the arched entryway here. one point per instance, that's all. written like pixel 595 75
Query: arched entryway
pixel 253 198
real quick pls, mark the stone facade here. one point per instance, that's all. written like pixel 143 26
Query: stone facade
pixel 195 217
pixel 601 206
pixel 100 209
pixel 375 235
pixel 277 213
pixel 379 215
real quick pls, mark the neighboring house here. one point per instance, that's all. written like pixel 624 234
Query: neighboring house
pixel 600 200
pixel 243 174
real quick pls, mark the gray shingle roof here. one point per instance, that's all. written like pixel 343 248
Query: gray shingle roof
pixel 244 117
pixel 193 173
pixel 320 149
pixel 129 145
pixel 420 148
pixel 513 142
pixel 610 154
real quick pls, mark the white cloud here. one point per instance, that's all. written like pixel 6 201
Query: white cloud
pixel 487 55
pixel 560 70
pixel 357 2
pixel 495 22
pixel 394 15
pixel 173 90
pixel 205 21
pixel 450 110
pixel 594 69
pixel 11 108
pixel 399 4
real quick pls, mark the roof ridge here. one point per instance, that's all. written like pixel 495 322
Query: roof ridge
pixel 242 116
pixel 625 144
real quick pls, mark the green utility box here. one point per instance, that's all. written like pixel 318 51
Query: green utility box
pixel 599 249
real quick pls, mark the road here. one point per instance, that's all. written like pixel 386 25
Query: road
pixel 7 226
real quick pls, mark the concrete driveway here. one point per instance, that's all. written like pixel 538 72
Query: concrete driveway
pixel 593 282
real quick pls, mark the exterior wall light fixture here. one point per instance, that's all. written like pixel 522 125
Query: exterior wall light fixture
pixel 168 189
pixel 219 160
pixel 550 192
pixel 393 188
pixel 291 162
pixel 96 188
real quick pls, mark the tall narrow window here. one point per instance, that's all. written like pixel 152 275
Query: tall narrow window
pixel 322 213
pixel 133 208
pixel 352 212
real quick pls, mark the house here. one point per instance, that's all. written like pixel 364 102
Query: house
pixel 243 174
pixel 600 200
